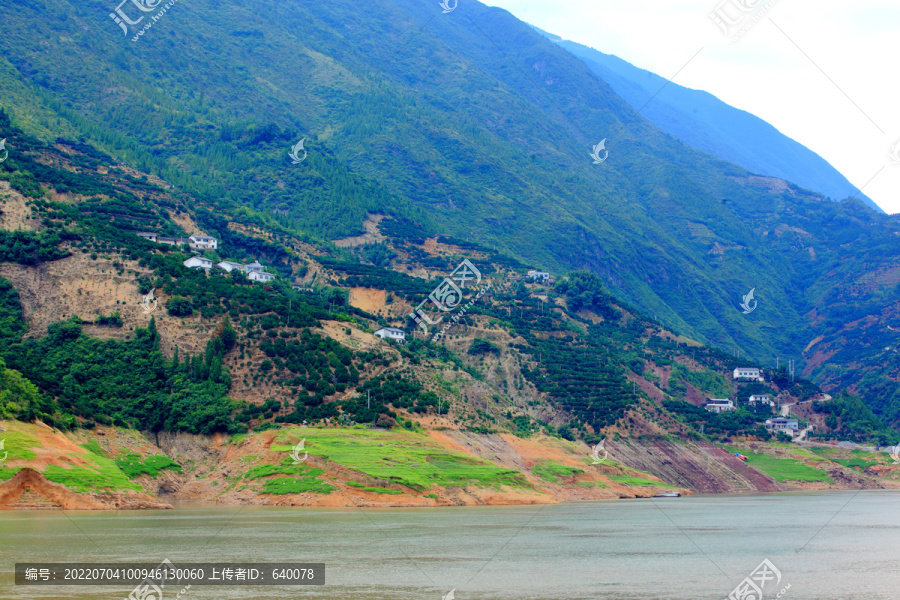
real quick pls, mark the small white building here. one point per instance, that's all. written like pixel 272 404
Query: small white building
pixel 782 424
pixel 198 262
pixel 391 333
pixel 718 405
pixel 760 399
pixel 747 373
pixel 260 276
pixel 227 265
pixel 539 275
pixel 204 242
pixel 148 236
pixel 253 267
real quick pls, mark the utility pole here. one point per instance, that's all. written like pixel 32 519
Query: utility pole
pixel 368 399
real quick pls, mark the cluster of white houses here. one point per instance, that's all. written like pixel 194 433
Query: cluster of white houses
pixel 718 405
pixel 254 271
pixel 774 425
pixel 196 242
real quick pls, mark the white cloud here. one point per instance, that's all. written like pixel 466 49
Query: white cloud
pixel 840 101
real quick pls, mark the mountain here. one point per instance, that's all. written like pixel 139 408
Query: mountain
pixel 141 379
pixel 702 121
pixel 468 124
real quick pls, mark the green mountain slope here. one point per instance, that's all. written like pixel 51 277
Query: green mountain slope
pixel 701 120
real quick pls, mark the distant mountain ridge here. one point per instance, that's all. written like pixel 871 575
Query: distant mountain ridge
pixel 701 120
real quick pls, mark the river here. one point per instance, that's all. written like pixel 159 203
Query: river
pixel 825 546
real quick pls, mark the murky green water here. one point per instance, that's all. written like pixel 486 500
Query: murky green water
pixel 827 546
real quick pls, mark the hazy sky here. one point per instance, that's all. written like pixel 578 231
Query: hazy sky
pixel 828 78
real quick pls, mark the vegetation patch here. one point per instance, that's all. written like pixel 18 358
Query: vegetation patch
pixel 785 469
pixel 296 485
pixel 376 489
pixel 306 478
pixel 550 470
pixel 637 481
pixel 103 474
pixel 132 465
pixel 402 457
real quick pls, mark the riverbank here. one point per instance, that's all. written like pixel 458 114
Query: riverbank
pixel 114 468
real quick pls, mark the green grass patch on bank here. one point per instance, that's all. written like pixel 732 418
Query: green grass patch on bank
pixel 133 465
pixel 374 488
pixel 402 457
pixel 637 481
pixel 786 469
pixel 16 446
pixel 102 474
pixel 550 470
pixel 296 485
pixel 854 459
pixel 599 484
pixel 305 478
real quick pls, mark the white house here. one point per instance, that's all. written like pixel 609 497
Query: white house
pixel 760 399
pixel 782 424
pixel 391 333
pixel 198 262
pixel 253 267
pixel 718 405
pixel 204 242
pixel 148 236
pixel 539 275
pixel 747 373
pixel 227 265
pixel 260 276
